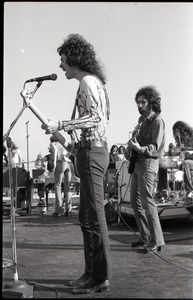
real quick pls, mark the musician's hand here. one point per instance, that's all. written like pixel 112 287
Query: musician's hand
pixel 134 145
pixel 51 126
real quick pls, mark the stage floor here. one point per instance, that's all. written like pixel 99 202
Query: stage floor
pixel 50 254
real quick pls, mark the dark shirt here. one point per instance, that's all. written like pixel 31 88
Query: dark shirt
pixel 113 157
pixel 152 136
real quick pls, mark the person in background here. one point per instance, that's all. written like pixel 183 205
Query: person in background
pixel 183 135
pixel 62 172
pixel 16 156
pixel 5 159
pixel 113 156
pixel 78 61
pixel 149 147
pixel 163 184
pixel 40 165
pixel 121 153
pixel 49 159
pixel 171 150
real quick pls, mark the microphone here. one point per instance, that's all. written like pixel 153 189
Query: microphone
pixel 39 79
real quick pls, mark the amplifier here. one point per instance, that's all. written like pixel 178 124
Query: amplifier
pixel 20 177
pixel 37 172
pixel 38 180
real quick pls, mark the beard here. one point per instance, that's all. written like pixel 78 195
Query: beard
pixel 144 111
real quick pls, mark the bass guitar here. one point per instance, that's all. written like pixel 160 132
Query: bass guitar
pixel 27 97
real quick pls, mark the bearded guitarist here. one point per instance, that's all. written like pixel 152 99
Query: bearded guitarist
pixel 149 146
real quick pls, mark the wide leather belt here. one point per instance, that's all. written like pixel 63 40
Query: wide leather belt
pixel 146 157
pixel 90 144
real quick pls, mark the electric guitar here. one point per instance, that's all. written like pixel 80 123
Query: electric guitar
pixel 70 147
pixel 130 153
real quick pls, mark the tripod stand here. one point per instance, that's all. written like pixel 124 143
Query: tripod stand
pixel 18 287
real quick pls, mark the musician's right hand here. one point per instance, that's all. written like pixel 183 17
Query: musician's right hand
pixel 133 143
pixel 51 126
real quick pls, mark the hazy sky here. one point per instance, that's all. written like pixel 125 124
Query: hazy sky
pixel 138 43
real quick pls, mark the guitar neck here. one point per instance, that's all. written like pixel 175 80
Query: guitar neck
pixel 44 120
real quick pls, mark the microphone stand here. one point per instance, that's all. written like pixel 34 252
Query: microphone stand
pixel 20 113
pixel 13 123
pixel 18 287
pixel 117 177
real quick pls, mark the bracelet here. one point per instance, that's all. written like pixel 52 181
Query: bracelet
pixel 60 125
pixel 141 150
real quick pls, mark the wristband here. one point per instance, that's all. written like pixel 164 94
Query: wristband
pixel 142 149
pixel 60 125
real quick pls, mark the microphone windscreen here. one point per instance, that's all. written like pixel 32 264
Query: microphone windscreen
pixel 53 76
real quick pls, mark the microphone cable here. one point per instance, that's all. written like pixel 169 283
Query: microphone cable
pixel 164 259
pixel 8 263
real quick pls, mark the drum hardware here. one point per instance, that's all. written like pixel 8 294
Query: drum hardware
pixel 177 193
pixel 172 164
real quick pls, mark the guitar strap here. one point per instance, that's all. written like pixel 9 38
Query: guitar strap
pixel 74 110
pixel 107 102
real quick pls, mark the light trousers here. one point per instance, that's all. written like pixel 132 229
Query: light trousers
pixel 62 173
pixel 143 203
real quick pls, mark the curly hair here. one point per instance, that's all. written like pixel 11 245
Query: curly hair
pixel 113 147
pixel 185 135
pixel 80 53
pixel 153 97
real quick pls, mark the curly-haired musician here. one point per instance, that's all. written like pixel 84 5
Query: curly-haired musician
pixel 183 135
pixel 148 147
pixel 78 61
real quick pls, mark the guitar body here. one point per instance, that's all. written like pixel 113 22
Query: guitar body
pixel 132 160
pixel 131 154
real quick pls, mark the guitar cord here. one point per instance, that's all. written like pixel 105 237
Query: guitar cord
pixel 162 258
